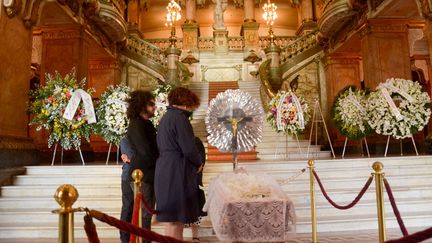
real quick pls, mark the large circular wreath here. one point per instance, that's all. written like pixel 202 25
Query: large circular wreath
pixel 48 106
pixel 230 110
pixel 398 108
pixel 293 112
pixel 161 97
pixel 349 113
pixel 111 113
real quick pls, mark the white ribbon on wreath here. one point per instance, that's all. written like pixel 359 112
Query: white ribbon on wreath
pixel 355 102
pixel 118 102
pixel 299 111
pixel 385 88
pixel 74 102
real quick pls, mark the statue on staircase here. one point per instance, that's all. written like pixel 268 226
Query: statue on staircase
pixel 219 9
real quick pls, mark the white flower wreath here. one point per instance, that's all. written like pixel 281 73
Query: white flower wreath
pixel 161 98
pixel 111 114
pixel 403 120
pixel 349 113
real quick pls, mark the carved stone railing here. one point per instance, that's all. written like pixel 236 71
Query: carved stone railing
pixel 206 43
pixel 145 49
pixel 164 43
pixel 235 43
pixel 299 46
pixel 322 4
pixel 119 5
pixel 281 41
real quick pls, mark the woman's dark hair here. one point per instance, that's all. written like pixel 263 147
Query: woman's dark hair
pixel 138 102
pixel 183 97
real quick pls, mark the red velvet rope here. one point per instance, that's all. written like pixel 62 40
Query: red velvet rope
pixel 395 208
pixel 135 215
pixel 147 207
pixel 353 203
pixel 132 229
pixel 90 229
pixel 414 238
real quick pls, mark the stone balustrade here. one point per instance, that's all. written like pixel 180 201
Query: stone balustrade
pixel 299 45
pixel 281 41
pixel 146 49
pixel 235 43
pixel 205 43
pixel 164 43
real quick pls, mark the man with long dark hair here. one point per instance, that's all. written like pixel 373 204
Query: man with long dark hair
pixel 141 135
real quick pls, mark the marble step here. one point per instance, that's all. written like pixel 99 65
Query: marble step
pixel 296 156
pixel 274 165
pixel 300 199
pixel 300 184
pixel 341 223
pixel 324 211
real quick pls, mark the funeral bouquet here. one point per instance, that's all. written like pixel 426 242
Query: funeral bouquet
pixel 111 113
pixel 398 108
pixel 349 113
pixel 288 113
pixel 50 102
pixel 161 97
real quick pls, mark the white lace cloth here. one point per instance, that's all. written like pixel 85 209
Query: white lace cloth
pixel 249 208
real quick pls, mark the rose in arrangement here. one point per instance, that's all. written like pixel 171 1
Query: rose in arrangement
pixel 48 104
pixel 288 113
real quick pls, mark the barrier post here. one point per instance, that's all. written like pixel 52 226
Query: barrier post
pixel 66 195
pixel 379 174
pixel 137 175
pixel 311 166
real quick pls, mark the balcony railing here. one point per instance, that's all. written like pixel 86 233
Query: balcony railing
pixel 164 43
pixel 300 45
pixel 146 49
pixel 281 41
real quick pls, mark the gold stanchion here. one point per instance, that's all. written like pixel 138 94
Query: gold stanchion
pixel 311 166
pixel 137 175
pixel 378 167
pixel 66 195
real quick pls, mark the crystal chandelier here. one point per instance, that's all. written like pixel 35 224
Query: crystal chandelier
pixel 173 15
pixel 270 16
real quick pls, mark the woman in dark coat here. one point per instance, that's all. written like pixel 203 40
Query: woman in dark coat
pixel 176 184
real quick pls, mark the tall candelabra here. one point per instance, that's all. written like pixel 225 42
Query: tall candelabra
pixel 173 15
pixel 270 16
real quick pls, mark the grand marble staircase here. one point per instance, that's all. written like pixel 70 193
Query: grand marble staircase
pixel 25 207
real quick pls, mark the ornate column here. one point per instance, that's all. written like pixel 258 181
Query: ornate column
pixel 249 10
pixel 63 49
pixel 273 53
pixel 306 12
pixel 133 12
pixel 385 51
pixel 16 148
pixel 250 27
pixel 341 70
pixel 101 74
pixel 190 27
pixel 173 55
